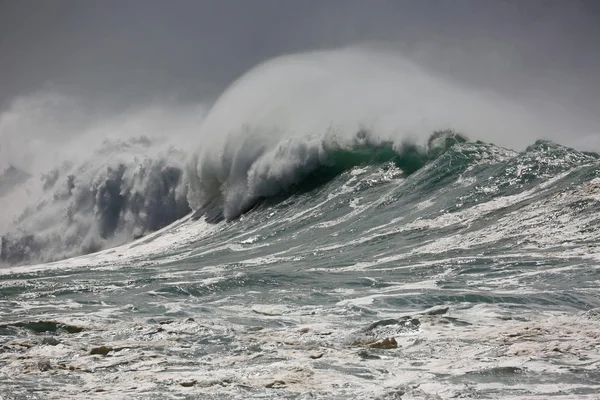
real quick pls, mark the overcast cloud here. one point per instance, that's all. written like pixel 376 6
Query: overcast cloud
pixel 114 53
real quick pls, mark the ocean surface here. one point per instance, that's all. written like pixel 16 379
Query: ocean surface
pixel 469 271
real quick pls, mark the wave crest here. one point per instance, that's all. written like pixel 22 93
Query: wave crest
pixel 228 185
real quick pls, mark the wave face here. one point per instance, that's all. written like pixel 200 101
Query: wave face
pixel 113 200
pixel 302 165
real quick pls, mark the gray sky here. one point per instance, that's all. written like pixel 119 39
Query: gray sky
pixel 122 51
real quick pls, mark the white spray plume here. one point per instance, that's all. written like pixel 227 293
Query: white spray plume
pixel 88 180
pixel 275 124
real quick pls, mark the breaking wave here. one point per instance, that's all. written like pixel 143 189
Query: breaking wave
pixel 297 165
pixel 288 126
pixel 92 206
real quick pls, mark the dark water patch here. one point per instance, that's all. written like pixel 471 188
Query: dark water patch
pixel 499 371
pixel 357 371
pixel 80 290
pixel 188 290
pixel 514 375
pixel 474 271
pixel 16 289
pixel 44 326
pixel 222 287
pixel 440 298
pixel 542 300
pixel 361 282
pixel 494 268
pixel 452 321
pixel 581 301
pixel 408 323
pixel 580 278
pixel 258 324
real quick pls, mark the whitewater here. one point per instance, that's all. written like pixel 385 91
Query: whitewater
pixel 336 224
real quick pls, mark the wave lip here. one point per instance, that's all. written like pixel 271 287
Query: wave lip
pixel 227 187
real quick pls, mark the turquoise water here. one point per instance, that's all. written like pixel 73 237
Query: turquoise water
pixel 482 266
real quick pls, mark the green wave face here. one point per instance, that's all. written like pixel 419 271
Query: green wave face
pixel 408 157
pixel 457 173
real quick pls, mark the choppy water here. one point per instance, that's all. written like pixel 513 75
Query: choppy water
pixel 482 266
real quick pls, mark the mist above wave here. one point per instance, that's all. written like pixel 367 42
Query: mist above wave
pixel 284 118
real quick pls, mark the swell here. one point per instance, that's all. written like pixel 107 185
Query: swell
pixel 94 206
